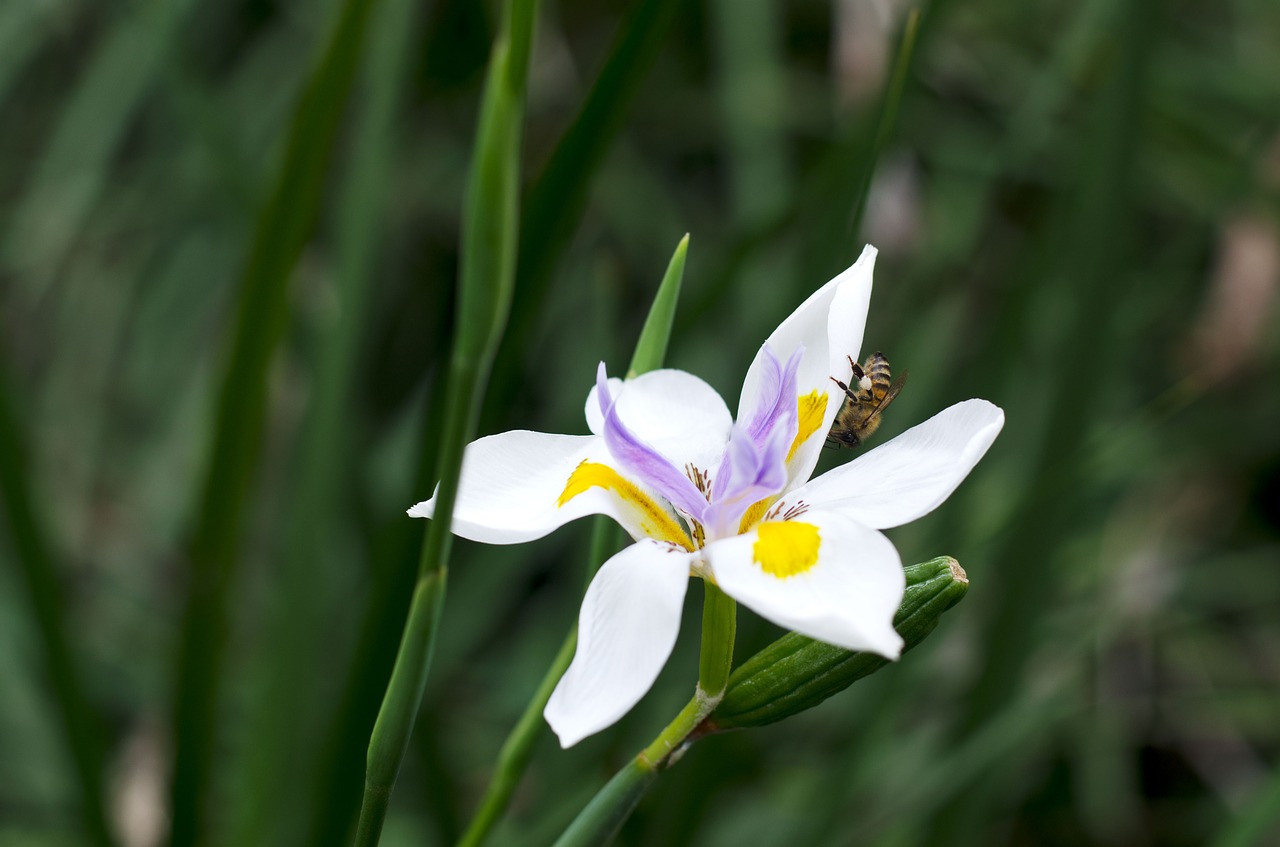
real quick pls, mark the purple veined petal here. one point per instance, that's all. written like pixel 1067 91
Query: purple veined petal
pixel 672 411
pixel 770 388
pixel 829 324
pixel 776 404
pixel 749 473
pixel 648 465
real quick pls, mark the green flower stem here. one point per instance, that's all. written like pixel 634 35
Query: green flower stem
pixel 719 625
pixel 517 750
pixel 604 815
pixel 400 705
pixel 607 811
pixel 658 753
pixel 490 222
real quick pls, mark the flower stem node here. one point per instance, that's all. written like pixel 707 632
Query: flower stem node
pixel 796 673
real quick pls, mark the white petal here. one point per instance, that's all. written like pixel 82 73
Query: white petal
pixel 629 621
pixel 909 476
pixel 829 325
pixel 512 482
pixel 847 596
pixel 675 412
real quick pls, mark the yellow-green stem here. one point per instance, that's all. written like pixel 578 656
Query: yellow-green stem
pixel 719 625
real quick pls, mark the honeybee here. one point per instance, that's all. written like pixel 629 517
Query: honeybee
pixel 871 392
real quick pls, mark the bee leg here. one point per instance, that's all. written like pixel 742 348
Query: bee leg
pixel 847 391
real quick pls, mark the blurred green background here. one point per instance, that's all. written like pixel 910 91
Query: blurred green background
pixel 1078 211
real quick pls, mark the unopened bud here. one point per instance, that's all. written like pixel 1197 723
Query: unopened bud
pixel 796 673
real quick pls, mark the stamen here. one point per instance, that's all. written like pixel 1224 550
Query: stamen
pixel 793 511
pixel 700 478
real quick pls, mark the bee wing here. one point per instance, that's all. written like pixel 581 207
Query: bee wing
pixel 894 388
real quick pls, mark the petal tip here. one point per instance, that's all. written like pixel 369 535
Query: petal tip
pixel 425 509
pixel 561 724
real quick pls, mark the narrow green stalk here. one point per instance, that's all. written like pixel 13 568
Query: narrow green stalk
pixel 288 672
pixel 558 197
pixel 604 816
pixel 719 625
pixel 262 314
pixel 600 821
pixel 578 152
pixel 517 750
pixel 41 580
pixel 651 348
pixel 487 275
pixel 400 705
pixel 659 752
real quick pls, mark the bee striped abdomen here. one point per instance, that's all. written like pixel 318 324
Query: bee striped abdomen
pixel 877 370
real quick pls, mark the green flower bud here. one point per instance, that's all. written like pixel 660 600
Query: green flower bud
pixel 796 673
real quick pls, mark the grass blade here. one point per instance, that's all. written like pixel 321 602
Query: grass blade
pixel 262 313
pixel 487 277
pixel 297 618
pixel 35 562
pixel 558 197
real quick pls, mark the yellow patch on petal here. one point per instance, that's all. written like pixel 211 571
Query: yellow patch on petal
pixel 812 408
pixel 754 515
pixel 655 521
pixel 786 548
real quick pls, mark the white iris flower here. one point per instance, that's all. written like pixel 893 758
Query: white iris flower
pixel 728 502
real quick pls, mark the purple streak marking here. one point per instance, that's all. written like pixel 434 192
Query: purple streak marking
pixel 646 464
